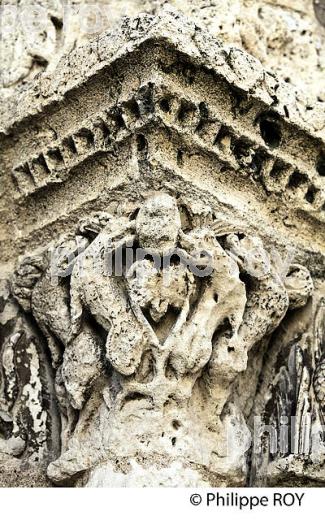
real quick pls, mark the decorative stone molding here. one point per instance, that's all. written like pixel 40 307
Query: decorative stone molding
pixel 162 214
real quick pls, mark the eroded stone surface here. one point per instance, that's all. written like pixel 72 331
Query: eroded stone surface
pixel 163 265
pixel 287 36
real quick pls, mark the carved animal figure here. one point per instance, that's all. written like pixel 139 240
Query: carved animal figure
pixel 189 301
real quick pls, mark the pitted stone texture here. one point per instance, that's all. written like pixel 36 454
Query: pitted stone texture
pixel 285 35
pixel 164 369
pixel 160 138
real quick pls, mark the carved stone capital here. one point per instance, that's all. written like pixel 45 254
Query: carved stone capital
pixel 163 250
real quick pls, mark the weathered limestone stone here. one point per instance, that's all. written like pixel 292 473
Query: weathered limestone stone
pixel 162 264
pixel 287 36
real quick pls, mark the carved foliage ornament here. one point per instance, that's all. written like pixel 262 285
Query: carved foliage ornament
pixel 149 318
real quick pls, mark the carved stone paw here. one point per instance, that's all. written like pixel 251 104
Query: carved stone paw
pixel 25 278
pixel 249 253
pixel 299 286
pixel 93 225
pixel 13 446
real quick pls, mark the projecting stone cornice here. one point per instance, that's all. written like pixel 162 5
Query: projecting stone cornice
pixel 158 76
pixel 175 32
pixel 158 72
